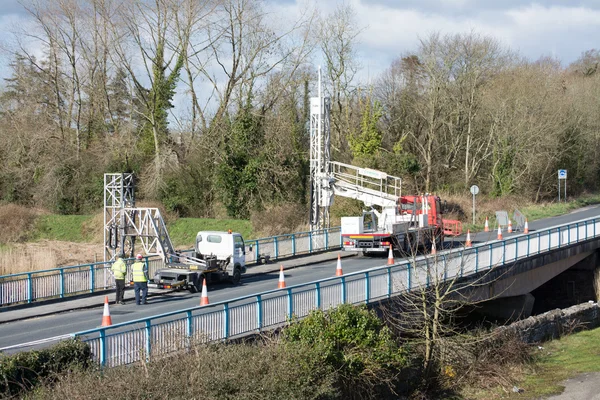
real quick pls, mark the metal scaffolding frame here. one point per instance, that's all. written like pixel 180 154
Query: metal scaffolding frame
pixel 321 193
pixel 119 195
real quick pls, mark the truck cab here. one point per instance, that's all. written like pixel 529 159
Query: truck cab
pixel 227 247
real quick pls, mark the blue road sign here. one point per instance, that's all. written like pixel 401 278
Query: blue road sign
pixel 562 174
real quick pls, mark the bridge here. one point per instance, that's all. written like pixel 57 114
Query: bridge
pixel 509 270
pixel 506 271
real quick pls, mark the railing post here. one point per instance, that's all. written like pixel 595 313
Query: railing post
pixel 577 231
pixel 256 252
pixel 29 288
pixel 148 339
pixel 326 239
pixel 92 278
pixel 310 244
pixel 367 294
pixel 102 347
pixel 189 325
pixel 446 267
pixel 389 282
pixel 491 258
pixel 293 244
pixel 516 248
pixel 343 280
pixel 289 303
pixel 276 247
pixel 62 283
pixel 408 280
pixel 259 312
pixel 318 294
pixel 504 252
pixel 226 320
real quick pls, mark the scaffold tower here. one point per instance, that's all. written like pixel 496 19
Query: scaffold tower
pixel 321 193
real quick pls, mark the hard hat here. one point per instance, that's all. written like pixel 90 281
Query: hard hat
pixel 139 256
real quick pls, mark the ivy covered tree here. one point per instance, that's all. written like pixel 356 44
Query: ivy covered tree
pixel 238 173
pixel 365 145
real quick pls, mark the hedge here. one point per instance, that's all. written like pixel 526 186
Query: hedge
pixel 24 370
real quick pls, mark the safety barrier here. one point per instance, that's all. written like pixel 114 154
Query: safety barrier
pixel 145 339
pixel 28 287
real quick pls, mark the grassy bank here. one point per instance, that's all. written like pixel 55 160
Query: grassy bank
pixel 183 231
pixel 555 362
pixel 68 228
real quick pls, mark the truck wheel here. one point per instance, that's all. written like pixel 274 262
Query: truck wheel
pixel 237 276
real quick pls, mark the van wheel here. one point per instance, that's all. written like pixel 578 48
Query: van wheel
pixel 237 276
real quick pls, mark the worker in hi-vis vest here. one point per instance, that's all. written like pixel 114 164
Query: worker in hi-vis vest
pixel 119 270
pixel 140 280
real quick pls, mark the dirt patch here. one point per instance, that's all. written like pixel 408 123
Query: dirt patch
pixel 47 254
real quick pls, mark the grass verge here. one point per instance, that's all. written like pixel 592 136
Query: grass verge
pixel 534 212
pixel 183 231
pixel 555 362
pixel 67 228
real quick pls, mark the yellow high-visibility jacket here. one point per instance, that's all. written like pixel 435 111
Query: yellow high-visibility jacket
pixel 119 269
pixel 140 272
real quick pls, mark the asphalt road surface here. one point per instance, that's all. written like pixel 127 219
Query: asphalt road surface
pixel 581 387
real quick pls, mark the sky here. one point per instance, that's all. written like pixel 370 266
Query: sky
pixel 562 29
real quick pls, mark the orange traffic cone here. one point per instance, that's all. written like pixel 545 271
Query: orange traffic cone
pixel 468 241
pixel 526 228
pixel 486 228
pixel 338 269
pixel 204 297
pixel 509 226
pixel 106 320
pixel 281 283
pixel 433 249
pixel 391 256
pixel 499 233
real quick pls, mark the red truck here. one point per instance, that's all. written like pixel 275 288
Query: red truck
pixel 412 225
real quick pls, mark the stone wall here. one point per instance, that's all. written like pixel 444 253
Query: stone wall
pixel 556 323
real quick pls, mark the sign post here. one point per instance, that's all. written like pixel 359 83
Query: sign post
pixel 562 174
pixel 474 190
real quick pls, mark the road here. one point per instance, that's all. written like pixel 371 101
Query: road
pixel 583 386
pixel 17 332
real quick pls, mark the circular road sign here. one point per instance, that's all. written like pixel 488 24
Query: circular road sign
pixel 474 189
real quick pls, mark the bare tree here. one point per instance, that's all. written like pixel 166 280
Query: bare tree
pixel 479 59
pixel 435 290
pixel 151 47
pixel 338 35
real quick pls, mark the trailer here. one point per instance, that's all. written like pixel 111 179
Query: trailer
pixel 217 256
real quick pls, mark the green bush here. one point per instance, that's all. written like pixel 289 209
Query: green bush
pixel 209 372
pixel 356 343
pixel 25 370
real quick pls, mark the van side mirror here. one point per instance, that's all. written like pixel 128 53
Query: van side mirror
pixel 445 207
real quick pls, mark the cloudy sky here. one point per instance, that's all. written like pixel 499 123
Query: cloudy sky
pixel 559 28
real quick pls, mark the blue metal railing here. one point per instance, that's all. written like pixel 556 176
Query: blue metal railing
pixel 150 337
pixel 28 287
